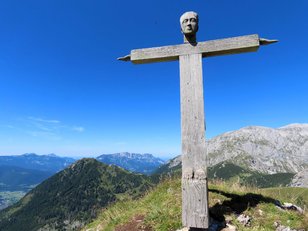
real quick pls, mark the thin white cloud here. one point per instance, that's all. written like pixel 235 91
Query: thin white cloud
pixel 43 134
pixel 36 123
pixel 78 129
pixel 44 120
pixel 44 127
pixel 49 128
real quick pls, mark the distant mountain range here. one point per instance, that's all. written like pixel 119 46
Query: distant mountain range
pixel 72 197
pixel 21 173
pixel 259 150
pixel 47 163
pixel 259 156
pixel 135 162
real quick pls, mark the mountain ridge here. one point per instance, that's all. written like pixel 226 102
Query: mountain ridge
pixel 142 163
pixel 262 149
pixel 49 162
pixel 72 197
pixel 267 150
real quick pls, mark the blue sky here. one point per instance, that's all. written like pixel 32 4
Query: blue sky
pixel 63 91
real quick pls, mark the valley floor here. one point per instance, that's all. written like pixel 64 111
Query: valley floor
pixel 8 198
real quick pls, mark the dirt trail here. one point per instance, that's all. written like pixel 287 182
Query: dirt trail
pixel 136 224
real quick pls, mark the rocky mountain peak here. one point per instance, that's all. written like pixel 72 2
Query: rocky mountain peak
pixel 263 149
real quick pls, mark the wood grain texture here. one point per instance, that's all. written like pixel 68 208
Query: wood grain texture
pixel 194 175
pixel 210 48
pixel 195 210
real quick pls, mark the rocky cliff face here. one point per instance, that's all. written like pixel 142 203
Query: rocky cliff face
pixel 300 179
pixel 262 149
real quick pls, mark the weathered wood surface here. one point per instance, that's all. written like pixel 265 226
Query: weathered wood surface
pixel 210 48
pixel 194 178
pixel 195 209
pixel 194 175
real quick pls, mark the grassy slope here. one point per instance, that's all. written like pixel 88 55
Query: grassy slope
pixel 162 207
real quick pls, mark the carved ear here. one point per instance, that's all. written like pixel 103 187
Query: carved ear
pixel 181 25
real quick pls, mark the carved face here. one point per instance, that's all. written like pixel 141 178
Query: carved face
pixel 189 23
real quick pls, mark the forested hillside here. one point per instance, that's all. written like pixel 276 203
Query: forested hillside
pixel 72 197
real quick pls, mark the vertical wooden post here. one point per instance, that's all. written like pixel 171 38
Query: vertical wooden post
pixel 195 213
pixel 194 177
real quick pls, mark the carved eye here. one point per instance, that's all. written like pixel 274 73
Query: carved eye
pixel 185 21
pixel 193 20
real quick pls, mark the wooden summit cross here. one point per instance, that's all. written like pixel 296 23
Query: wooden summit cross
pixel 195 213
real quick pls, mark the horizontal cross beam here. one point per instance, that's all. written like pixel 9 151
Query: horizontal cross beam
pixel 210 48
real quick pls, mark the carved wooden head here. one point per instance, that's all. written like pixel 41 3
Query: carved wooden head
pixel 189 23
